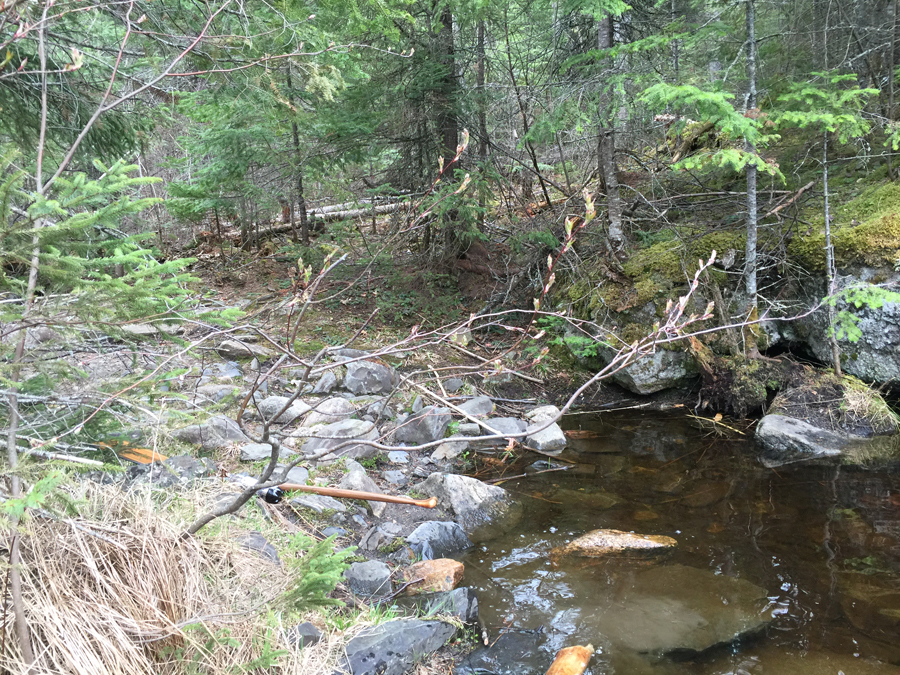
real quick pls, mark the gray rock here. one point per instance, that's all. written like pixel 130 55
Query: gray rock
pixel 229 370
pixel 216 392
pixel 450 449
pixel 331 436
pixel 298 474
pixel 391 648
pixel 302 635
pixel 453 385
pixel 255 452
pixel 238 349
pixel 254 541
pixel 478 406
pixel 346 353
pixel 270 406
pixel 398 457
pixel 435 539
pixel 318 503
pixel 216 432
pixel 380 410
pixel 326 384
pixel 481 509
pixel 681 611
pixel 335 531
pixel 505 425
pixel 369 578
pixel 189 468
pixel 551 439
pixel 379 536
pixel 663 369
pixel 397 478
pixel 369 377
pixel 360 521
pixel 786 439
pixel 358 480
pixel 417 404
pixel 461 603
pixel 427 426
pixel 544 413
pixel 469 429
pixel 156 475
pixel 329 411
pixel 513 652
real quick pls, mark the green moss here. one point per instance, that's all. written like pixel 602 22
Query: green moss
pixel 874 241
pixel 672 262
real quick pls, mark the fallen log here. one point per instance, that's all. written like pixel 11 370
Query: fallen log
pixel 334 216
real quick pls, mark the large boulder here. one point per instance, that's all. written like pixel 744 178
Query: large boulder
pixel 874 357
pixel 332 435
pixel 392 648
pixel 216 432
pixel 482 510
pixel 427 426
pixel 663 369
pixel 369 377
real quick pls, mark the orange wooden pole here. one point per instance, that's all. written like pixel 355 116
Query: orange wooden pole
pixel 356 494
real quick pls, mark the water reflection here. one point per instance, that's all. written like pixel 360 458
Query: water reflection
pixel 801 563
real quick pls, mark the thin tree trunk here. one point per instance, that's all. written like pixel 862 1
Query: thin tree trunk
pixel 752 214
pixel 606 148
pixel 449 126
pixel 482 102
pixel 890 86
pixel 830 269
pixel 562 158
pixel 301 197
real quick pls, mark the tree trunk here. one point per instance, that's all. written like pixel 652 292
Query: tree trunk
pixel 752 215
pixel 606 148
pixel 482 102
pixel 449 126
pixel 298 170
pixel 830 269
pixel 890 85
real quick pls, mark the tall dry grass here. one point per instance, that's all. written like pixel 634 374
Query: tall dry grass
pixel 117 591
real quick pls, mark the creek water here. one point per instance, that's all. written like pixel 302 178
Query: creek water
pixel 791 571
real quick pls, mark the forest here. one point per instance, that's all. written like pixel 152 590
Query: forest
pixel 264 246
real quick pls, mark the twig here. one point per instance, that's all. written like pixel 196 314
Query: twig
pixel 497 481
pixel 484 360
pixel 57 455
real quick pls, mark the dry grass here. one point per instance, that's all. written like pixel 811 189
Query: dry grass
pixel 117 591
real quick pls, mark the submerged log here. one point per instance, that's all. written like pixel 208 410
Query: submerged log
pixel 571 660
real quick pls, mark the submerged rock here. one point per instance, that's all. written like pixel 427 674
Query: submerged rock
pixel 391 648
pixel 676 610
pixel 615 544
pixel 785 440
pixel 514 652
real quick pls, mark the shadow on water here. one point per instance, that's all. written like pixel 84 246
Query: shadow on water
pixel 794 571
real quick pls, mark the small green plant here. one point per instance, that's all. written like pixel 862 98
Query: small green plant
pixel 315 575
pixel 392 547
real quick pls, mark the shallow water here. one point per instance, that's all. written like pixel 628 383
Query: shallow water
pixel 816 550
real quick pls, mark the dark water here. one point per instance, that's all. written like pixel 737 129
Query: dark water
pixel 822 542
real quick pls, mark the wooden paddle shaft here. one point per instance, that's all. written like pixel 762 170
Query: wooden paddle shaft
pixel 356 494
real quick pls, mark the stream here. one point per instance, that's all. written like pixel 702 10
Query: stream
pixel 787 572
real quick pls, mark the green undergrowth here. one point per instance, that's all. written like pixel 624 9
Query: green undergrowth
pixel 866 231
